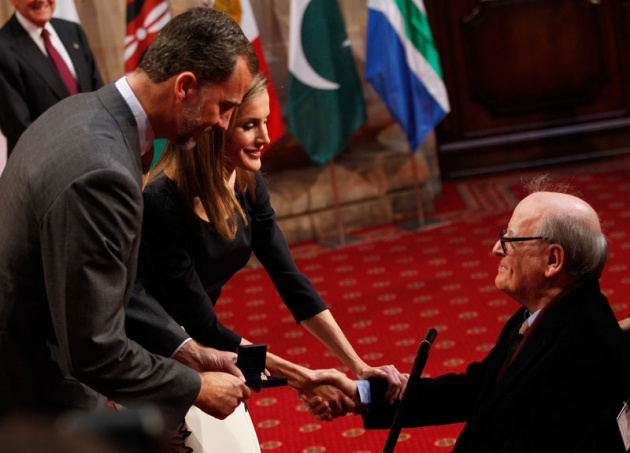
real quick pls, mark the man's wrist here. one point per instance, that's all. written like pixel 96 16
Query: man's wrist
pixel 180 347
pixel 187 354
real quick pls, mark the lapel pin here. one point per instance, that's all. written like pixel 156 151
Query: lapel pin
pixel 76 45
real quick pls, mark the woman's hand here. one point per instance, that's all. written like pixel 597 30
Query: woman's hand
pixel 397 380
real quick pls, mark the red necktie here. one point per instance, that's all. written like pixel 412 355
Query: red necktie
pixel 61 65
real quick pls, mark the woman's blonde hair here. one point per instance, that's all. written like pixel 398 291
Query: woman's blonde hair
pixel 200 173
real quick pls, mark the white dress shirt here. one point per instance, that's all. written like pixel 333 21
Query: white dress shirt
pixel 35 33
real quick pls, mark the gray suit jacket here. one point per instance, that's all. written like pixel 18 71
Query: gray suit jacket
pixel 29 83
pixel 71 203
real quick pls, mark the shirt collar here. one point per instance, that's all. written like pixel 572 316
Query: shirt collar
pixel 532 317
pixel 145 131
pixel 33 30
pixel 35 33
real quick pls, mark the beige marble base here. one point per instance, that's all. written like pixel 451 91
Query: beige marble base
pixel 375 187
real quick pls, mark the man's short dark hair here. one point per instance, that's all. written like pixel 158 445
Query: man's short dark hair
pixel 202 40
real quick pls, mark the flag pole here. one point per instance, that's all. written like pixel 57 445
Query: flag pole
pixel 342 239
pixel 416 186
pixel 421 221
pixel 340 233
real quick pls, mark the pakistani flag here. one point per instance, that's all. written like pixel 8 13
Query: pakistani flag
pixel 325 97
pixel 402 65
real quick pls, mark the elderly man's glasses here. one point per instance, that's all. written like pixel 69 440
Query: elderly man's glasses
pixel 503 239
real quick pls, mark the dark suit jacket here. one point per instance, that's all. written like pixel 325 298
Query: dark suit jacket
pixel 71 203
pixel 30 83
pixel 561 393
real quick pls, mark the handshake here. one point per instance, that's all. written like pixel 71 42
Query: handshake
pixel 328 394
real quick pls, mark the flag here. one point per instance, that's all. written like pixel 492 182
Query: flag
pixel 241 11
pixel 325 100
pixel 66 9
pixel 145 18
pixel 402 64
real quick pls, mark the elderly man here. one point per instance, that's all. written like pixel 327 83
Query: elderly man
pixel 42 61
pixel 560 389
pixel 71 201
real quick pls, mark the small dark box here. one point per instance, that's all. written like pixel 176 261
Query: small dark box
pixel 251 361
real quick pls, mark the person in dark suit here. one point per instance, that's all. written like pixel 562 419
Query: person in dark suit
pixel 71 201
pixel 562 386
pixel 29 81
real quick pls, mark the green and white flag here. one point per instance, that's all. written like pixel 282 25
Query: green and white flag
pixel 325 100
pixel 403 66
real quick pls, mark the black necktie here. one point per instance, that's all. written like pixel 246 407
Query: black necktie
pixel 515 340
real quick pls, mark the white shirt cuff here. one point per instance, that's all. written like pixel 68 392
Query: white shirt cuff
pixel 180 346
pixel 363 386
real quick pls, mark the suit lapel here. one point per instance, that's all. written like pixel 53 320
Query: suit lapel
pixel 75 50
pixel 27 50
pixel 534 348
pixel 540 340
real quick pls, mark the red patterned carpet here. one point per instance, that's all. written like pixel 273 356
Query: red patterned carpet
pixel 387 290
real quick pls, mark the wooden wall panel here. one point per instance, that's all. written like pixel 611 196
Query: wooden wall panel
pixel 526 77
pixel 513 67
pixel 104 23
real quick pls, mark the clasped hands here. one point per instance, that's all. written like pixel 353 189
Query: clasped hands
pixel 329 393
pixel 222 383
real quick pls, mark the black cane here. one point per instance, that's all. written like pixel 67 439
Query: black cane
pixel 414 378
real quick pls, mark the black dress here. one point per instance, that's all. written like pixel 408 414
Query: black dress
pixel 184 267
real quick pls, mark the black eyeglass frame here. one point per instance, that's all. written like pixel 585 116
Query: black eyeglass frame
pixel 503 239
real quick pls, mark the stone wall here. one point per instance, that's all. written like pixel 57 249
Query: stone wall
pixel 376 184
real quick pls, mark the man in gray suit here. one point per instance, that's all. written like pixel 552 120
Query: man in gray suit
pixel 29 81
pixel 71 203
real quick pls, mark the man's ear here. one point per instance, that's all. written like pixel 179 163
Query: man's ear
pixel 185 85
pixel 555 260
